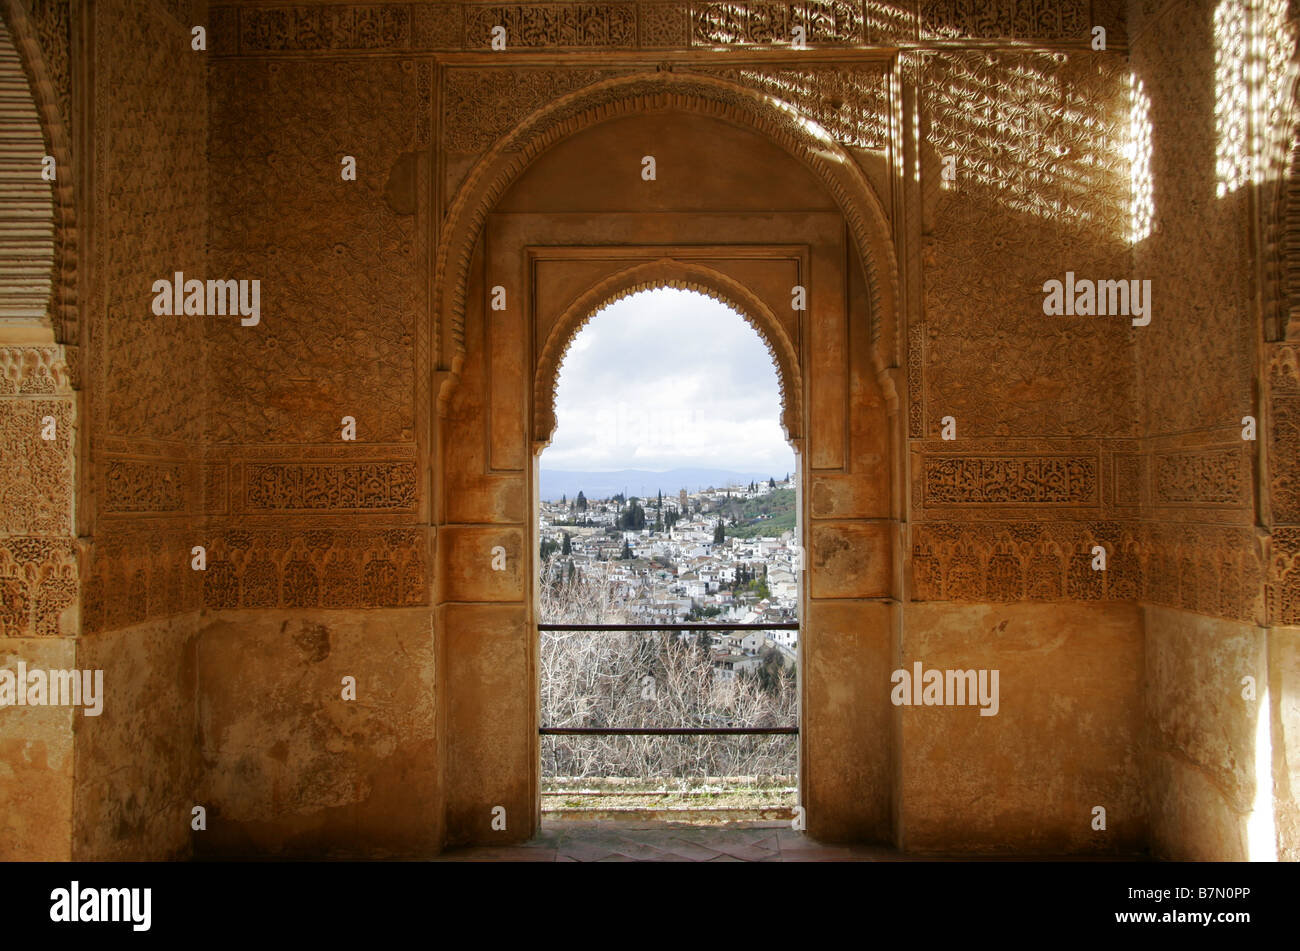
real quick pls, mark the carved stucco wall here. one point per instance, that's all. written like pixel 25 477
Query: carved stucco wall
pixel 276 456
pixel 145 400
pixel 1044 408
pixel 147 405
pixel 39 594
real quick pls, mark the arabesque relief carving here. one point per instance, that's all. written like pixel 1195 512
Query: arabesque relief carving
pixel 297 568
pixel 373 486
pixel 1206 569
pixel 648 24
pixel 981 479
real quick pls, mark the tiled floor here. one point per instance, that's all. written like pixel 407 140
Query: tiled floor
pixel 657 842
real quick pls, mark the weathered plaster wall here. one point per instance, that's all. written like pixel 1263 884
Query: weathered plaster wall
pixel 290 767
pixel 137 762
pixel 1047 415
pixel 36 761
pixel 1066 737
pixel 1201 776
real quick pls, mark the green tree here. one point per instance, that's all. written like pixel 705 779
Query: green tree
pixel 632 518
pixel 719 533
pixel 771 483
pixel 627 551
pixel 548 548
pixel 565 547
pixel 582 501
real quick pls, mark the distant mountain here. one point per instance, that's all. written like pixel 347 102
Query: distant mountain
pixel 642 482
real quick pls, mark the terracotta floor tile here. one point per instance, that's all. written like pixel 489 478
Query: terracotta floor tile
pixel 691 851
pixel 642 852
pixel 747 853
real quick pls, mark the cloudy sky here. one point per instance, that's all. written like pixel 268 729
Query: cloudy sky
pixel 666 379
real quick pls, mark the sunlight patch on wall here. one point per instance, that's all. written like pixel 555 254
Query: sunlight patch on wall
pixel 1138 152
pixel 1261 831
pixel 1035 132
pixel 1251 59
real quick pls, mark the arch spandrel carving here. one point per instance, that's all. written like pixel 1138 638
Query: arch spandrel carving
pixel 645 93
pixel 667 272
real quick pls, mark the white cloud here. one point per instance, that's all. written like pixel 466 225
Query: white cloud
pixel 665 379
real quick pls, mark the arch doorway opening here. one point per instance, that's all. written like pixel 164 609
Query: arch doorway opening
pixel 669 574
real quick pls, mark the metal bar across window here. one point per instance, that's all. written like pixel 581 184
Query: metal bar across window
pixel 669 731
pixel 669 627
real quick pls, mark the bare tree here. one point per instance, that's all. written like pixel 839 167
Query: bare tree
pixel 653 679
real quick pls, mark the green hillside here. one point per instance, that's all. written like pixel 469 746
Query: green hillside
pixel 768 515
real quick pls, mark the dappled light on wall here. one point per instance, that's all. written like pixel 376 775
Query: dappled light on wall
pixel 1252 43
pixel 1038 133
pixel 1138 151
pixel 849 105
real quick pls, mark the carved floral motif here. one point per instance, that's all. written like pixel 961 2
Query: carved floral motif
pixel 772 21
pixel 1206 569
pixel 1215 476
pixel 369 486
pixel 984 480
pixel 551 25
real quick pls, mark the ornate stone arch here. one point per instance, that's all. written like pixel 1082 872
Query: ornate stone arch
pixel 662 91
pixel 667 272
pixel 43 47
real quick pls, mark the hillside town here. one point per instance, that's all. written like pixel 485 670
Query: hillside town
pixel 725 555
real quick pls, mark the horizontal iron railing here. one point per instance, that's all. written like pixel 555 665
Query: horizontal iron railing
pixel 794 626
pixel 666 730
pixel 669 731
